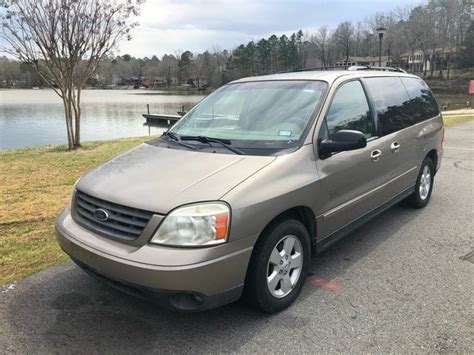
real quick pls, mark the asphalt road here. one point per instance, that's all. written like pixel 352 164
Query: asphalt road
pixel 404 282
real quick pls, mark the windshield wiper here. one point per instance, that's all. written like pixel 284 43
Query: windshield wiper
pixel 174 137
pixel 222 142
pixel 171 135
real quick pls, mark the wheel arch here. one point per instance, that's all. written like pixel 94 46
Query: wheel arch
pixel 433 155
pixel 304 214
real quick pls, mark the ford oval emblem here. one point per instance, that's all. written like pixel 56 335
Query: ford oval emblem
pixel 101 215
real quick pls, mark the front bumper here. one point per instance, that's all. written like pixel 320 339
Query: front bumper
pixel 180 278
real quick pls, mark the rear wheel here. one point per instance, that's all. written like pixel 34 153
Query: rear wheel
pixel 424 185
pixel 278 266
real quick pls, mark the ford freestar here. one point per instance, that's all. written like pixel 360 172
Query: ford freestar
pixel 235 198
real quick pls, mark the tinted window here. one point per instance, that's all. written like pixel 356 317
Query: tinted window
pixel 349 110
pixel 423 105
pixel 391 102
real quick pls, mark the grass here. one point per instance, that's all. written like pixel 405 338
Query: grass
pixel 454 101
pixel 35 184
pixel 451 120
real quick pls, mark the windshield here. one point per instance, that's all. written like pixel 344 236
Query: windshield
pixel 266 115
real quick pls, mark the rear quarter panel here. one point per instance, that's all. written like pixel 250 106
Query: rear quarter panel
pixel 431 133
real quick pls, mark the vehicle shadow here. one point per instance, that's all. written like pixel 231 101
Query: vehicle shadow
pixel 68 311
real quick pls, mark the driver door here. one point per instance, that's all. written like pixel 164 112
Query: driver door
pixel 350 181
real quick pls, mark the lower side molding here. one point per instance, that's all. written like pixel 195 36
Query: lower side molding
pixel 342 232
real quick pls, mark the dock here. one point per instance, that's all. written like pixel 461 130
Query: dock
pixel 162 119
pixel 158 119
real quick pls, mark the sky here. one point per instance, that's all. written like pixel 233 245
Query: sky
pixel 172 26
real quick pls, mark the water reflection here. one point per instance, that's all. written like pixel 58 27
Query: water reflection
pixel 35 117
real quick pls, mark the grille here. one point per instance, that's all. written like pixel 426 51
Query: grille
pixel 122 222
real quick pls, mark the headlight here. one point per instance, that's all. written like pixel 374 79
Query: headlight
pixel 195 225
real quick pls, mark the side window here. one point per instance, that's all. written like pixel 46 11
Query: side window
pixel 423 105
pixel 391 102
pixel 349 110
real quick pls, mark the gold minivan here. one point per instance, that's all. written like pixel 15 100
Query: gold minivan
pixel 266 171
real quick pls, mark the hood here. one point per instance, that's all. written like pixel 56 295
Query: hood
pixel 159 179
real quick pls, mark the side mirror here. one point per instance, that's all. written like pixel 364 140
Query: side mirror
pixel 343 140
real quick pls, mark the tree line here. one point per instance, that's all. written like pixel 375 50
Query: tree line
pixel 441 30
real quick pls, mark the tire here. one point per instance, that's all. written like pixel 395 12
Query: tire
pixel 286 270
pixel 422 194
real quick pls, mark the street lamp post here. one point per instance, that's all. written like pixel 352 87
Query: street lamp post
pixel 380 31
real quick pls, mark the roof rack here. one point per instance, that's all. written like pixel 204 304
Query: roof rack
pixel 370 67
pixel 334 67
pixel 345 67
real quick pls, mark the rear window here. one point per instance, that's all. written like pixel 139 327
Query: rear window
pixel 423 105
pixel 391 102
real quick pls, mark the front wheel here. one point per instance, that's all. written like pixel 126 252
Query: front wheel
pixel 424 185
pixel 278 266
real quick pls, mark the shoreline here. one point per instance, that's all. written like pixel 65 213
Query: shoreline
pixel 63 146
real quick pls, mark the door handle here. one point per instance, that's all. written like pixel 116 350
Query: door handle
pixel 375 155
pixel 395 147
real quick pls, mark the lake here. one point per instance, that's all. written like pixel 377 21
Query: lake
pixel 36 117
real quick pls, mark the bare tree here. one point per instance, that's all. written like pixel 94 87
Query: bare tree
pixel 321 39
pixel 344 37
pixel 393 42
pixel 64 41
pixel 422 25
pixel 408 28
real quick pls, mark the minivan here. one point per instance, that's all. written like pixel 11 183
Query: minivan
pixel 237 196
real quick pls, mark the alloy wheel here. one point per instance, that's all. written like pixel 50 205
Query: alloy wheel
pixel 425 183
pixel 284 266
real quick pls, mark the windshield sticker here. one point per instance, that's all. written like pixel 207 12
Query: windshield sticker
pixel 284 133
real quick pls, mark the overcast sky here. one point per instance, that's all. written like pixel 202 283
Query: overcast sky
pixel 167 26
